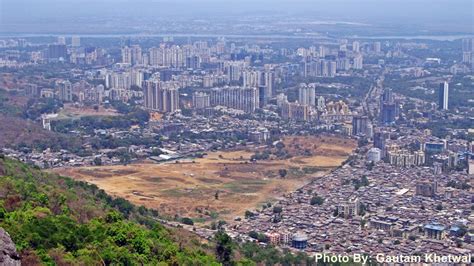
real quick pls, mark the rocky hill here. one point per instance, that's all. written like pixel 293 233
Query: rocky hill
pixel 8 254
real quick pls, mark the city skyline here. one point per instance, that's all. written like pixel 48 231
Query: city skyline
pixel 228 133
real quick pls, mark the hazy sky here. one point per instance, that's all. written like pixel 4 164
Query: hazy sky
pixel 451 13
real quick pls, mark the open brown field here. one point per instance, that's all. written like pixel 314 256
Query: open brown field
pixel 71 112
pixel 188 188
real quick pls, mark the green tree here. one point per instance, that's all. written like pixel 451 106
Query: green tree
pixel 224 247
pixel 249 214
pixel 317 200
pixel 282 173
pixel 97 161
pixel 277 209
pixel 187 221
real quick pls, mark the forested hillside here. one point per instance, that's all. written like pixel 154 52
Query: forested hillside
pixel 56 220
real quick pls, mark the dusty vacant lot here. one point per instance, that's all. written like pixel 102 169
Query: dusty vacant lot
pixel 221 185
pixel 71 112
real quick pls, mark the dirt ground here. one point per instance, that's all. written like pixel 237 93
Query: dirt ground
pixel 70 112
pixel 222 185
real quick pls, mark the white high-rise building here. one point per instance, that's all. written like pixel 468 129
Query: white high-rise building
pixel 322 51
pixel 136 77
pixel 281 99
pixel 358 62
pixel 355 46
pixel 121 80
pixel 245 99
pixel 61 40
pixel 332 69
pixel 321 104
pixel 307 95
pixel 201 100
pixel 467 50
pixel 75 41
pixel 251 78
pixel 126 55
pixel 374 155
pixel 156 55
pixel 269 80
pixel 377 47
pixel 136 52
pixel 65 91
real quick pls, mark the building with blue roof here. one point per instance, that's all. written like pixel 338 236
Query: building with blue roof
pixel 434 231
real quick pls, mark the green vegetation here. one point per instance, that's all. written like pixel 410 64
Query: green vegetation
pixel 458 185
pixel 277 209
pixel 89 123
pixel 362 182
pixel 224 247
pixel 260 237
pixel 440 128
pixel 36 107
pixel 56 220
pixel 187 221
pixel 6 107
pixel 459 87
pixel 282 173
pixel 317 200
pixel 269 255
pixel 249 214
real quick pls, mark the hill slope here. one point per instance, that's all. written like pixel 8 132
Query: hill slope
pixel 55 220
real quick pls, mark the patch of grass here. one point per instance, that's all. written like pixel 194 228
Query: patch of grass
pixel 313 169
pixel 245 186
pixel 156 179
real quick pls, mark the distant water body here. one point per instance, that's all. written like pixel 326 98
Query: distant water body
pixel 417 37
pixel 249 36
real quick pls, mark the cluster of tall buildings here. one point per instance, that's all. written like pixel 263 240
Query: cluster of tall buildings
pixel 73 52
pixel 125 79
pixel 186 56
pixel 320 68
pixel 403 157
pixel 358 62
pixel 307 94
pixel 295 111
pixel 64 90
pixel 389 109
pixel 329 66
pixel 302 109
pixel 263 80
pixel 235 97
pixel 75 41
pixel 161 96
pixel 240 98
pixel 326 63
pixel 59 50
pixel 361 126
pixel 132 55
pixel 201 100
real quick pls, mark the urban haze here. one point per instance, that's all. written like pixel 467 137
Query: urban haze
pixel 206 132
